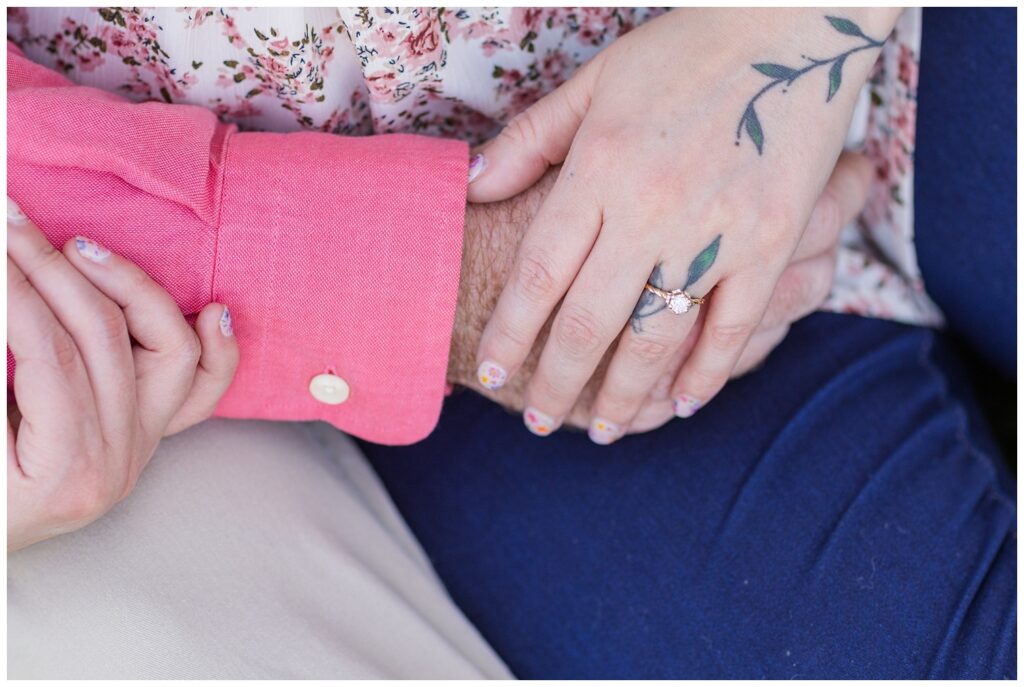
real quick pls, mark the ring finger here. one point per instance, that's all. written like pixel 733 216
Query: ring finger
pixel 658 328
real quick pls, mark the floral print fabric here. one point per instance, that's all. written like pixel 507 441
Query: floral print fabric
pixel 451 72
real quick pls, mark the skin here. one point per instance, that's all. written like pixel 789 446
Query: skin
pixel 494 231
pixel 95 406
pixel 636 193
pixel 106 367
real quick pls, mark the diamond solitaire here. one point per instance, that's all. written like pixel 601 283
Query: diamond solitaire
pixel 678 301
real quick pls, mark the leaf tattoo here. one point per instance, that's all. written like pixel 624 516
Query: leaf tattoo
pixel 846 26
pixel 781 74
pixel 703 262
pixel 649 304
pixel 835 77
pixel 753 126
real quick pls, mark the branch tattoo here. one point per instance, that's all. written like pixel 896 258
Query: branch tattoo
pixel 649 304
pixel 781 74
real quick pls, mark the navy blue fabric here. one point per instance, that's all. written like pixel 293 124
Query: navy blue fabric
pixel 842 512
pixel 965 194
pixel 827 516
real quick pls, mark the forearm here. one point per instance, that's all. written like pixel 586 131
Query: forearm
pixel 337 255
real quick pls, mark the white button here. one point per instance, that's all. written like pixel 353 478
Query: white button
pixel 329 389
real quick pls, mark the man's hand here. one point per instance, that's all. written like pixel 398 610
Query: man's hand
pixel 493 232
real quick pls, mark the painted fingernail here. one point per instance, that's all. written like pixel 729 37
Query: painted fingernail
pixel 491 375
pixel 685 406
pixel 539 423
pixel 477 164
pixel 91 250
pixel 603 431
pixel 14 213
pixel 225 322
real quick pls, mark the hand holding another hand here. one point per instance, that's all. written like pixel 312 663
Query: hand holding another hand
pixel 106 366
pixel 663 198
pixel 493 234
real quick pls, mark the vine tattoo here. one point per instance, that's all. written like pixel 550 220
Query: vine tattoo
pixel 781 74
pixel 649 304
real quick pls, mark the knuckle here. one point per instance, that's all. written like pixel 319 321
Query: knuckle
pixel 703 383
pixel 188 350
pixel 109 324
pixel 576 330
pixel 522 128
pixel 140 284
pixel 510 333
pixel 535 280
pixel 650 350
pixel 776 228
pixel 43 257
pixel 61 349
pixel 771 240
pixel 17 284
pixel 729 336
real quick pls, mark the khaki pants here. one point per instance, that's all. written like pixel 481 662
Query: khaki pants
pixel 248 550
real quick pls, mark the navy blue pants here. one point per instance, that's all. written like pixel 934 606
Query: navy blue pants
pixel 841 512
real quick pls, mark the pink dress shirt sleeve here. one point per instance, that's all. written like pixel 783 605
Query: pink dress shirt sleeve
pixel 336 255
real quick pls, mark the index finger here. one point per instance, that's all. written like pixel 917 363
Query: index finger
pixel 551 253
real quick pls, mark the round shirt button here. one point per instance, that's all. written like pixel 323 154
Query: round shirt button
pixel 329 389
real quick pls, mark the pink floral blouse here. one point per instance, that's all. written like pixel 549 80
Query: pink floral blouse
pixel 458 73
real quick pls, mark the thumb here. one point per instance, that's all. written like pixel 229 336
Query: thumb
pixel 532 141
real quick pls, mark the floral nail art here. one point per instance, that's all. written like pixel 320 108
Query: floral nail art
pixel 603 431
pixel 225 323
pixel 91 250
pixel 491 375
pixel 539 423
pixel 476 167
pixel 685 406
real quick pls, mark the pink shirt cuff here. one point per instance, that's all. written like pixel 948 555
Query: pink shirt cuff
pixel 342 256
pixel 337 255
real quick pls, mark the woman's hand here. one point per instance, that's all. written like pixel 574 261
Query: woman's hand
pixel 659 185
pixel 106 366
pixel 492 236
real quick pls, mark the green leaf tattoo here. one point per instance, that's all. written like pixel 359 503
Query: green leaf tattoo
pixel 835 77
pixel 649 304
pixel 702 263
pixel 753 126
pixel 776 71
pixel 781 74
pixel 846 26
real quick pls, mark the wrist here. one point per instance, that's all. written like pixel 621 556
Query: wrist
pixel 491 236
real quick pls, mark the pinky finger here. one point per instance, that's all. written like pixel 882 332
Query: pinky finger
pixel 217 364
pixel 734 313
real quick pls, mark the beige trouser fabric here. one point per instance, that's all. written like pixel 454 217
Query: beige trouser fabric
pixel 248 550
